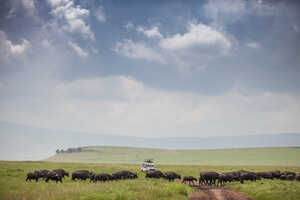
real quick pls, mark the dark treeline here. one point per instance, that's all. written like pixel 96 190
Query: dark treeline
pixel 69 150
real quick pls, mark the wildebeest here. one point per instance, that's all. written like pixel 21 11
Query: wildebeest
pixel 124 175
pixel 265 175
pixel 54 176
pixel 208 178
pixel 189 179
pixel 276 174
pixel 32 176
pixel 61 172
pixel 298 177
pixel 81 174
pixel 248 176
pixel 226 177
pixel 288 176
pixel 171 176
pixel 101 177
pixel 154 174
pixel 42 173
pixel 236 175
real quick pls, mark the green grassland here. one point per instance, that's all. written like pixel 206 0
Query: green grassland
pixel 277 156
pixel 14 187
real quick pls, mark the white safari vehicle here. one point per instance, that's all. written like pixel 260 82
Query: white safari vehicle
pixel 148 165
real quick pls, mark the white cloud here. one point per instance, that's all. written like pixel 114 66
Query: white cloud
pixel 46 43
pixel 199 38
pixel 124 105
pixel 100 14
pixel 18 48
pixel 78 50
pixel 129 26
pixel 29 5
pixel 71 18
pixel 225 11
pixel 10 49
pixel 231 11
pixel 137 50
pixel 26 7
pixel 151 33
pixel 192 49
pixel 58 2
pixel 122 88
pixel 253 45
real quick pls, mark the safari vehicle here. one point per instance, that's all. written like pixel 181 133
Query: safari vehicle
pixel 148 165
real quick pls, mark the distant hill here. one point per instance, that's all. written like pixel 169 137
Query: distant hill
pixel 19 142
pixel 283 156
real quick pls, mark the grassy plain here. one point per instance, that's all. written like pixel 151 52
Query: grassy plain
pixel 277 156
pixel 14 187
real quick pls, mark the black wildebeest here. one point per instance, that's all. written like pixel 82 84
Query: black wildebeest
pixel 42 173
pixel 248 176
pixel 189 179
pixel 276 174
pixel 298 177
pixel 61 172
pixel 154 174
pixel 101 177
pixel 265 175
pixel 171 176
pixel 288 176
pixel 32 176
pixel 119 175
pixel 208 178
pixel 82 175
pixel 226 177
pixel 54 176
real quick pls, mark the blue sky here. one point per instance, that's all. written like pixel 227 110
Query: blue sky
pixel 151 68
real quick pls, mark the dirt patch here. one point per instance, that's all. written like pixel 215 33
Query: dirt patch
pixel 217 193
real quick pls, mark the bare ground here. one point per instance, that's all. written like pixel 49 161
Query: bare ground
pixel 217 193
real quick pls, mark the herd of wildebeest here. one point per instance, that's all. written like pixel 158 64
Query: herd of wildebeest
pixel 206 178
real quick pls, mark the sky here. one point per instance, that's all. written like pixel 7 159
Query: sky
pixel 151 68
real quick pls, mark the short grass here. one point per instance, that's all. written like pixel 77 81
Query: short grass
pixel 277 156
pixel 14 187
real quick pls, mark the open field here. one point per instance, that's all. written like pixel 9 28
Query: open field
pixel 14 187
pixel 277 156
